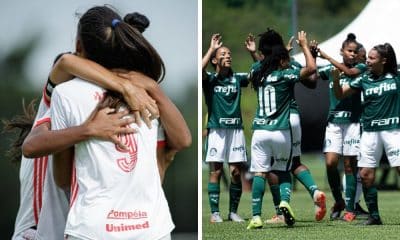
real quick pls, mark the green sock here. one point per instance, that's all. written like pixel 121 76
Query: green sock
pixel 307 180
pixel 235 192
pixel 276 198
pixel 350 192
pixel 213 196
pixel 285 185
pixel 371 198
pixel 334 183
pixel 257 194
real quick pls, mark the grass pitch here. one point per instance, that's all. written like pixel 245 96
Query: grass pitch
pixel 302 205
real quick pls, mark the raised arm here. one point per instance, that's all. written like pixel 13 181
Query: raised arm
pixel 103 124
pixel 340 91
pixel 250 44
pixel 311 81
pixel 289 45
pixel 214 45
pixel 346 70
pixel 311 66
pixel 70 65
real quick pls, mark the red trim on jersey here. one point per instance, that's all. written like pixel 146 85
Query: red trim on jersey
pixel 161 143
pixel 41 121
pixel 45 99
pixel 74 185
pixel 39 174
pixel 35 189
pixel 42 178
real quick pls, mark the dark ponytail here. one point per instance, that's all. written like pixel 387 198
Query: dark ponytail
pixel 351 38
pixel 386 51
pixel 116 43
pixel 269 39
pixel 138 21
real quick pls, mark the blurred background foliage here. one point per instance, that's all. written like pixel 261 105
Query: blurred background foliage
pixel 16 86
pixel 321 19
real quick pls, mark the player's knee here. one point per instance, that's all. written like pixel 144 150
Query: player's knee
pixel 295 163
pixel 331 165
pixel 235 173
pixel 367 176
pixel 216 173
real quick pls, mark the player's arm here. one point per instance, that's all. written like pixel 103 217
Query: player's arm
pixel 69 65
pixel 311 81
pixel 340 91
pixel 177 132
pixel 214 45
pixel 289 45
pixel 102 124
pixel 311 66
pixel 250 44
pixel 62 168
pixel 165 156
pixel 351 72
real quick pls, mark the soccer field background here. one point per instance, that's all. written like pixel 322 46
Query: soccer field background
pixel 303 207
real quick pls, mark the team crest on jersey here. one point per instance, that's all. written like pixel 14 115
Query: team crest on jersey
pixel 129 140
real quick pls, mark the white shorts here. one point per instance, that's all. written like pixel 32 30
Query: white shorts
pixel 374 143
pixel 343 139
pixel 270 150
pixel 229 144
pixel 296 134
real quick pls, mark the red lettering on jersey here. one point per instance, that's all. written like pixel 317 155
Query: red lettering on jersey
pixel 136 214
pixel 129 140
pixel 126 227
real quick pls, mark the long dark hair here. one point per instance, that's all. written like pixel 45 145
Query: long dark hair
pixel 22 125
pixel 114 42
pixel 268 39
pixel 270 63
pixel 386 51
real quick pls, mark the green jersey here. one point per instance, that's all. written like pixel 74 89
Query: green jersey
pixel 293 64
pixel 347 110
pixel 275 98
pixel 222 96
pixel 381 101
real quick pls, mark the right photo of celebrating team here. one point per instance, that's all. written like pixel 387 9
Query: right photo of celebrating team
pixel 301 119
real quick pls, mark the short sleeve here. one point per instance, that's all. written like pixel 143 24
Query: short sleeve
pixel 207 77
pixel 59 110
pixel 292 75
pixel 324 72
pixel 243 79
pixel 161 142
pixel 44 119
pixel 362 67
pixel 295 65
pixel 254 68
pixel 356 83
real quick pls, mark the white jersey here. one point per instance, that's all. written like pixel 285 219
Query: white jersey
pixel 55 208
pixel 118 194
pixel 32 175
